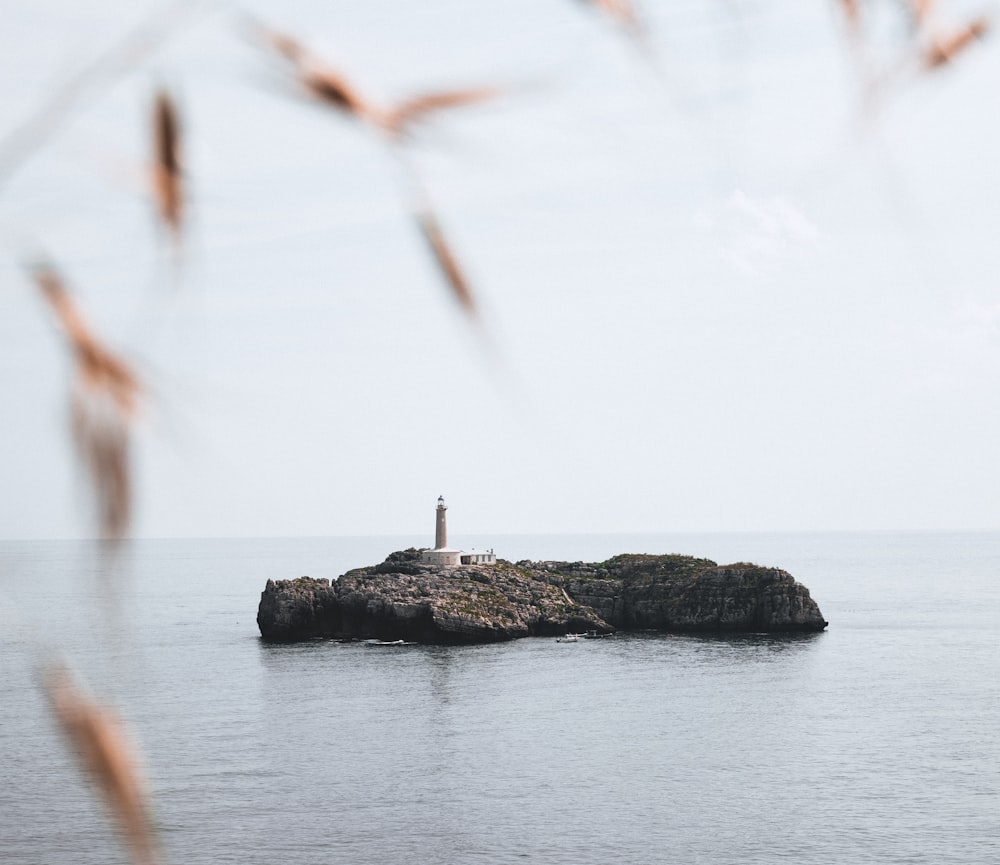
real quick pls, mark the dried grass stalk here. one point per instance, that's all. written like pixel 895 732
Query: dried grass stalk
pixel 943 49
pixel 107 756
pixel 921 10
pixel 105 401
pixel 446 261
pixel 852 15
pixel 102 441
pixel 318 79
pixel 625 15
pixel 122 57
pixel 333 89
pixel 287 46
pixel 167 180
pixel 414 109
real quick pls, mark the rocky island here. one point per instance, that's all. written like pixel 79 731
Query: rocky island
pixel 409 598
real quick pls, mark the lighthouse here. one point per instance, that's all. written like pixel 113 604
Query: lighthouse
pixel 441 526
pixel 442 554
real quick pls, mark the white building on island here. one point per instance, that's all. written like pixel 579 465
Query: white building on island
pixel 442 554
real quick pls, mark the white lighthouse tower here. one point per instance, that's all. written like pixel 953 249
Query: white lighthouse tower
pixel 442 554
pixel 441 525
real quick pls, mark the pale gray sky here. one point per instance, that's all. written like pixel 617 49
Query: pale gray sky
pixel 721 300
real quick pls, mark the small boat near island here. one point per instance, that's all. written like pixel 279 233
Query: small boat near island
pixel 590 635
pixel 371 644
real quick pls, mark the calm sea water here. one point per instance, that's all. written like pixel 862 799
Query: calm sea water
pixel 875 742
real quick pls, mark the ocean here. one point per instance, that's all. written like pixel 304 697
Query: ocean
pixel 877 741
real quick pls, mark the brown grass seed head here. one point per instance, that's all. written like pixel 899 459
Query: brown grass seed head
pixel 166 160
pixel 108 758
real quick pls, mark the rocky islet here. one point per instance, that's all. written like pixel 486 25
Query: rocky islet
pixel 404 598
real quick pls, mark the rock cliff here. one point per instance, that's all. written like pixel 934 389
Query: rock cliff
pixel 685 594
pixel 403 598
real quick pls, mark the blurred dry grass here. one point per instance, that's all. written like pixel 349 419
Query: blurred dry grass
pixel 446 260
pixel 933 41
pixel 104 402
pixel 945 46
pixel 625 15
pixel 330 87
pixel 319 80
pixel 108 758
pixel 167 180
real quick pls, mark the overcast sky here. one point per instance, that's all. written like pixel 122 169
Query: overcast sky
pixel 716 295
